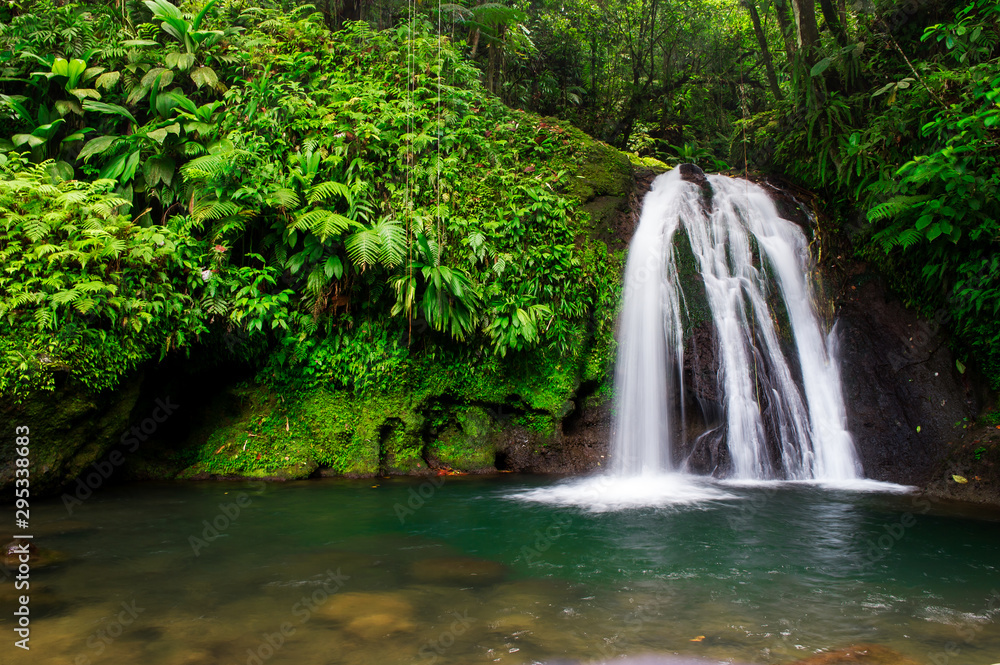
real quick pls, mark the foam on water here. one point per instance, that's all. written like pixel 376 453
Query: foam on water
pixel 608 492
pixel 850 485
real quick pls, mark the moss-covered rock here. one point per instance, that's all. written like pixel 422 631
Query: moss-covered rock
pixel 68 429
pixel 467 444
pixel 601 169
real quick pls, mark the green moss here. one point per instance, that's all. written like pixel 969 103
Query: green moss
pixel 692 285
pixel 596 168
pixel 402 444
pixel 467 444
pixel 69 429
pixel 650 163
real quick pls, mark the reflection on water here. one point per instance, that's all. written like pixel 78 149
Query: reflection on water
pixel 467 571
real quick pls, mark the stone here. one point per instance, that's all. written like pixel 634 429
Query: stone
pixel 862 654
pixel 463 571
pixel 375 626
pixel 370 615
pixel 10 555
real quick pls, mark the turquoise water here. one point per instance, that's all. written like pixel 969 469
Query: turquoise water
pixel 461 570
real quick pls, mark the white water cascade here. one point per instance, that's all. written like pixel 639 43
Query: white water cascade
pixel 772 428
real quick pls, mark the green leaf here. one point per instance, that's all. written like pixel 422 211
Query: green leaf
pixel 107 80
pixel 85 93
pixel 820 66
pixel 32 140
pixel 60 170
pixel 205 76
pixel 200 16
pixel 333 267
pixel 64 106
pixel 959 366
pixel 158 135
pixel 109 109
pixel 96 146
pixel 159 169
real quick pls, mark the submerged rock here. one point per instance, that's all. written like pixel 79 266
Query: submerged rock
pixel 11 553
pixel 862 654
pixel 370 616
pixel 458 570
pixel 645 659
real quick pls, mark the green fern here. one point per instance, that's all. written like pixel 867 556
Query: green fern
pixel 894 207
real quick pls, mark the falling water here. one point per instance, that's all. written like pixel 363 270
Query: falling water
pixel 772 428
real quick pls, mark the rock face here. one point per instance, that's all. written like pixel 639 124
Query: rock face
pixel 69 429
pixel 906 400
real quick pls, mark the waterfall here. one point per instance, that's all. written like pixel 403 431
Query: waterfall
pixel 781 419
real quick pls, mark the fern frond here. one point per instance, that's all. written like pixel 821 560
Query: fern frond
pixel 323 223
pixel 894 206
pixel 326 190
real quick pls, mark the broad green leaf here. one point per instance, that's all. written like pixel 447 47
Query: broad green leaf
pixel 85 93
pixel 820 66
pixel 159 169
pixel 60 170
pixel 158 135
pixel 78 136
pixel 334 267
pixel 64 106
pixel 30 139
pixel 107 80
pixel 205 76
pixel 109 109
pixel 96 146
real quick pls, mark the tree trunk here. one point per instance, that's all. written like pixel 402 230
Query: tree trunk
pixel 765 53
pixel 785 25
pixel 475 44
pixel 832 19
pixel 806 29
pixel 593 66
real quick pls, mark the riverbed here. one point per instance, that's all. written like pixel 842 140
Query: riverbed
pixel 506 569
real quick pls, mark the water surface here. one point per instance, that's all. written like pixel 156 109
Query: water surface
pixel 468 570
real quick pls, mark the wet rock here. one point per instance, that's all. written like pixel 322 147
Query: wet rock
pixel 71 429
pixel 463 571
pixel 370 616
pixel 692 173
pixel 905 399
pixel 375 626
pixel 862 654
pixel 38 557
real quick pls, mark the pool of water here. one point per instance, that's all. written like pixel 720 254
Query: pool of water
pixel 508 570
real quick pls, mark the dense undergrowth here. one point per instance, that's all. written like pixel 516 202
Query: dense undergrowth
pixel 343 209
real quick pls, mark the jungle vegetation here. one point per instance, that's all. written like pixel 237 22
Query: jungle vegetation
pixel 327 191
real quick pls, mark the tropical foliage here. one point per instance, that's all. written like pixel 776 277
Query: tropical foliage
pixel 276 182
pixel 373 176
